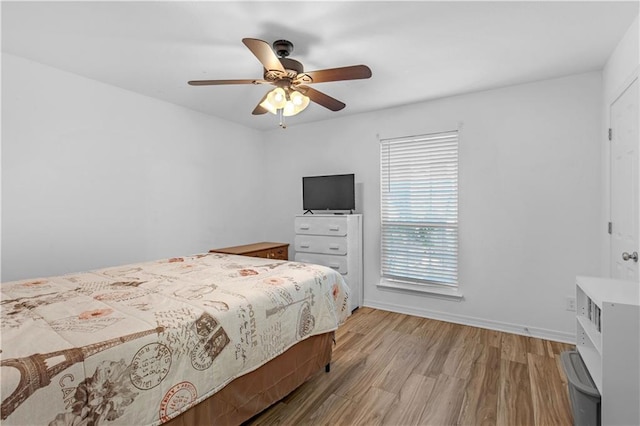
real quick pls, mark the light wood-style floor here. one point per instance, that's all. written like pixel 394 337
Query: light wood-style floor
pixel 394 369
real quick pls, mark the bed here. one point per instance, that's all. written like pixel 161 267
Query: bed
pixel 203 339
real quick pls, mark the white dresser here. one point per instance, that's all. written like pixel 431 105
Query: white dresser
pixel 334 241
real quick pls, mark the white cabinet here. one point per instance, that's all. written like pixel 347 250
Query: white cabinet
pixel 334 241
pixel 608 340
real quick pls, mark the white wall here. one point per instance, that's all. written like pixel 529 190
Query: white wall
pixel 530 196
pixel 93 175
pixel 619 71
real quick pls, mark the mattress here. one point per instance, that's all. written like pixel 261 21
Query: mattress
pixel 142 343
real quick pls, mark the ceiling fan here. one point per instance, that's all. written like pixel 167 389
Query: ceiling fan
pixel 292 93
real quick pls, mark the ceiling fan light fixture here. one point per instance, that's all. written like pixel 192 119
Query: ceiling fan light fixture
pixel 276 99
pixel 289 109
pixel 297 103
pixel 291 104
pixel 299 100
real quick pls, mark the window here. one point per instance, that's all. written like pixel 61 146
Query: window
pixel 419 212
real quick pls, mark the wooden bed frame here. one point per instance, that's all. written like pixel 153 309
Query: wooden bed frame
pixel 252 393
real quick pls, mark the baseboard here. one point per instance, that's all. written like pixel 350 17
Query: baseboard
pixel 523 330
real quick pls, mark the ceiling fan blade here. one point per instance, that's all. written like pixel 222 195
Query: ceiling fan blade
pixel 264 53
pixel 259 109
pixel 220 82
pixel 354 72
pixel 321 98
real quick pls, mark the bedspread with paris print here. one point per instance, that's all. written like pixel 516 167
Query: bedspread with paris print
pixel 139 344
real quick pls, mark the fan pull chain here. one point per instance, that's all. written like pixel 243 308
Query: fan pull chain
pixel 281 116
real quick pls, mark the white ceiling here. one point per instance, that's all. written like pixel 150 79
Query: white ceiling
pixel 417 51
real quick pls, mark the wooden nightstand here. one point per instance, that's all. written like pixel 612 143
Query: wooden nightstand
pixel 267 250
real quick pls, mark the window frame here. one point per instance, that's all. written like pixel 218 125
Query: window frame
pixel 426 286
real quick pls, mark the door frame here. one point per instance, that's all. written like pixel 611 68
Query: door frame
pixel 635 75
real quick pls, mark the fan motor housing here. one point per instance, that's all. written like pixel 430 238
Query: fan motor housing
pixel 283 48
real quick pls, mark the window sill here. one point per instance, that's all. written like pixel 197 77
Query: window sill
pixel 452 293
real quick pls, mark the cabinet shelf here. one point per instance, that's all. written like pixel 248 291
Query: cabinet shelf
pixel 591 332
pixel 593 361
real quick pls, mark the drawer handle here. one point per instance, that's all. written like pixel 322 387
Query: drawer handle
pixel 334 247
pixel 334 228
pixel 305 227
pixel 334 266
pixel 304 245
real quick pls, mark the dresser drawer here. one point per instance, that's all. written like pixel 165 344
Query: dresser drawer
pixel 338 263
pixel 321 244
pixel 321 226
pixel 266 250
pixel 279 253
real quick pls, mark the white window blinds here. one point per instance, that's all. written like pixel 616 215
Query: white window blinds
pixel 419 208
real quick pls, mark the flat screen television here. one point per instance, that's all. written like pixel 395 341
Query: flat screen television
pixel 334 192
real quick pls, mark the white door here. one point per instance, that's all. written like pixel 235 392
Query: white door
pixel 625 213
